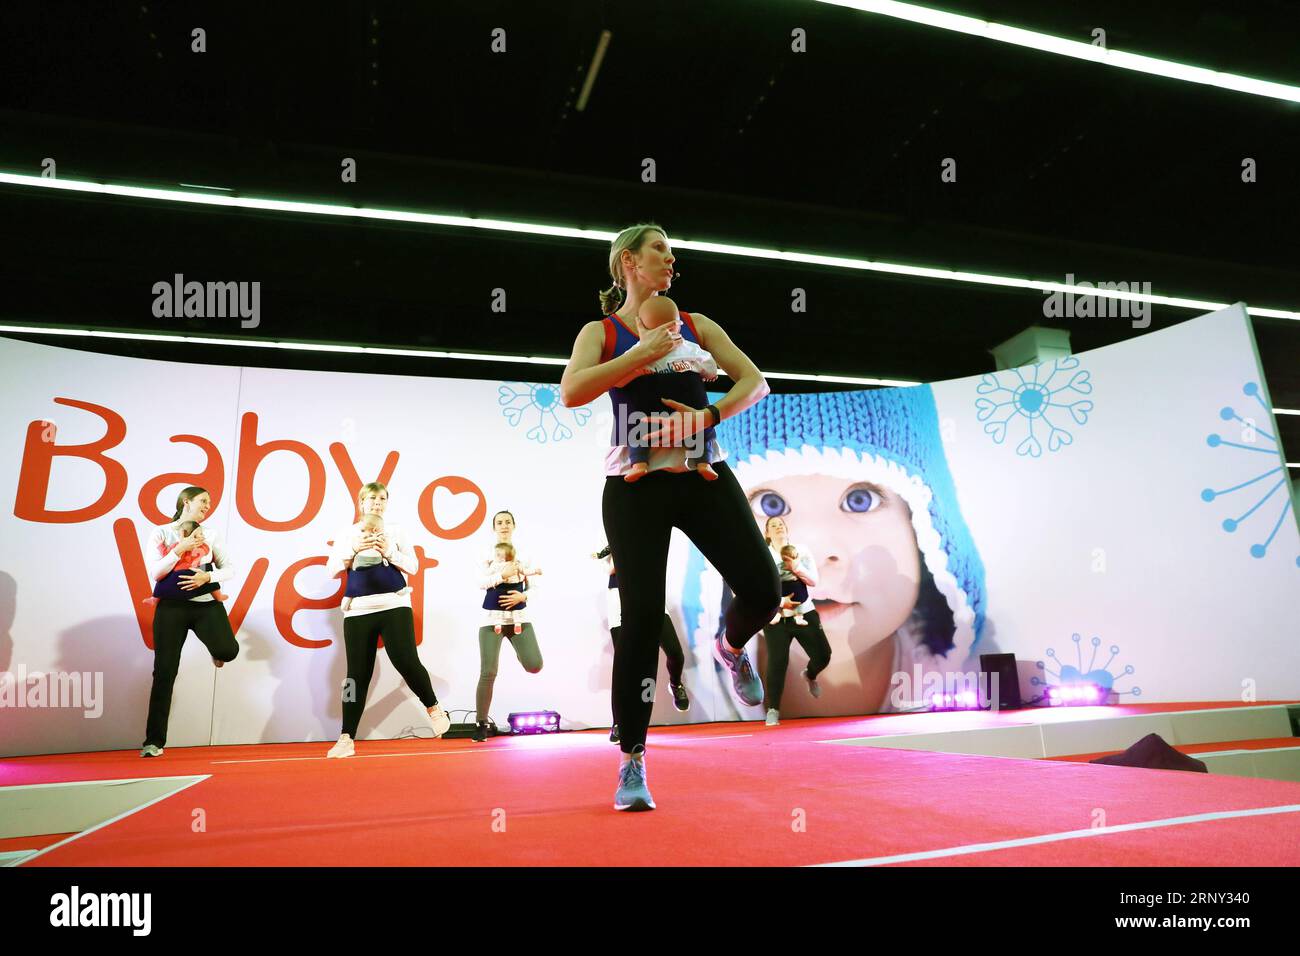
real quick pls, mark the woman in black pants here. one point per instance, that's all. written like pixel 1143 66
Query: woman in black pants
pixel 639 517
pixel 378 605
pixel 174 619
pixel 781 631
pixel 668 641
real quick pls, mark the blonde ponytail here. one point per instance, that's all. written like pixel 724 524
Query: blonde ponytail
pixel 610 300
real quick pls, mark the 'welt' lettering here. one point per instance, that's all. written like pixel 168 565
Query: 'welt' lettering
pixel 40 450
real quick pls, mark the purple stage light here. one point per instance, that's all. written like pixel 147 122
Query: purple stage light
pixel 535 722
pixel 960 700
pixel 1068 694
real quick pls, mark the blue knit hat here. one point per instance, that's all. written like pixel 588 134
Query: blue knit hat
pixel 895 425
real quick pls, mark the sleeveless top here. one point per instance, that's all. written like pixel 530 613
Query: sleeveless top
pixel 669 377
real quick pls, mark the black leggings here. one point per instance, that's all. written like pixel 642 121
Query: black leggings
pixel 639 518
pixel 172 623
pixel 361 634
pixel 811 638
pixel 671 646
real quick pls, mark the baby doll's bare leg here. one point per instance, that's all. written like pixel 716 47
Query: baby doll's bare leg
pixel 706 471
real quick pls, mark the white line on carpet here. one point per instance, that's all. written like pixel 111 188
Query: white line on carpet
pixel 121 816
pixel 414 753
pixel 88 783
pixel 442 753
pixel 1068 835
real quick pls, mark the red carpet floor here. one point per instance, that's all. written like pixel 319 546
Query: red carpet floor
pixel 728 794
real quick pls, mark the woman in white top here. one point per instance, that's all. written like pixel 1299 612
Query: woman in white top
pixel 810 635
pixel 174 619
pixel 489 641
pixel 378 610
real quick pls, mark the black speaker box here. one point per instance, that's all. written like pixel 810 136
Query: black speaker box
pixel 1004 665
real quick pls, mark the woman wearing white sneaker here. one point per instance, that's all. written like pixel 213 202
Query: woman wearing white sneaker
pixel 778 635
pixel 174 619
pixel 381 607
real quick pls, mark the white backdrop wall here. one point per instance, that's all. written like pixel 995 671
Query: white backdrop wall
pixel 1109 537
pixel 1106 537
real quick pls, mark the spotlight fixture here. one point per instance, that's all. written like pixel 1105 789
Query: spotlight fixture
pixel 535 722
pixel 961 700
pixel 1076 695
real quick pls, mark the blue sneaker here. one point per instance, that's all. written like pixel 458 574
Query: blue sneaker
pixel 632 793
pixel 748 687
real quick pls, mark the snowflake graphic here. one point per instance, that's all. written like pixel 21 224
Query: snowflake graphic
pixel 523 398
pixel 1075 674
pixel 1268 447
pixel 1033 401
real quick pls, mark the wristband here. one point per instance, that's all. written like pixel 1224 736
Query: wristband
pixel 717 415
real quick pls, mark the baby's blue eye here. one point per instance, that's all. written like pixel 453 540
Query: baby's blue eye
pixel 860 500
pixel 773 505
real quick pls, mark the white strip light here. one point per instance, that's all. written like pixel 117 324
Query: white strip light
pixel 597 235
pixel 1073 48
pixel 251 343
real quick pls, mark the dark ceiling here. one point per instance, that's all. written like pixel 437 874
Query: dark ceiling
pixel 1063 167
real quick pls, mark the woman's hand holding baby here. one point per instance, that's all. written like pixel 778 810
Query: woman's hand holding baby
pixel 190 542
pixel 658 342
pixel 364 540
pixel 684 420
pixel 194 579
